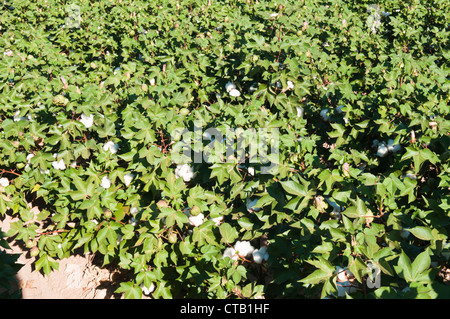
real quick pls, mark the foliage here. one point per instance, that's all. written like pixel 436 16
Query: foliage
pixel 332 76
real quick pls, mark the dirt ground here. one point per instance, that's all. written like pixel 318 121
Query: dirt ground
pixel 78 277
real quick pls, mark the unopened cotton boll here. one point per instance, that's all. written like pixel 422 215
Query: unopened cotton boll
pixel 87 121
pixel 111 146
pixel 382 150
pixel 128 178
pixel 197 220
pixel 60 165
pixel 185 171
pixel 4 182
pixel 243 248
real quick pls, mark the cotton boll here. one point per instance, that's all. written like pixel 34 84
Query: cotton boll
pixel 4 182
pixel 300 111
pixel 185 171
pixel 393 147
pixel 111 146
pixel 87 121
pixel 106 182
pixel 60 165
pixel 134 210
pixel 243 248
pixel 375 143
pixel 231 253
pixel 217 220
pixel 290 85
pixel 128 178
pixel 260 255
pixel 382 150
pixel 324 115
pixel 230 86
pixel 235 93
pixel 197 220
pixel 147 290
pixel 251 171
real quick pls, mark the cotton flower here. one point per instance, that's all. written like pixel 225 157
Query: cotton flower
pixel 382 150
pixel 260 255
pixel 127 178
pixel 197 220
pixel 147 290
pixel 59 164
pixel 243 248
pixel 324 115
pixel 111 146
pixel 185 171
pixel 106 182
pixel 250 204
pixel 87 120
pixel 290 85
pixel 300 111
pixel 4 182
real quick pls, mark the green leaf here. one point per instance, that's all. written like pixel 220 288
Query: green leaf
pixel 229 234
pixel 316 277
pixel 420 264
pixel 421 232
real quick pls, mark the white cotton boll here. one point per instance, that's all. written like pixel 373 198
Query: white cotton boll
pixel 152 82
pixel 147 290
pixel 217 220
pixel 87 121
pixel 300 111
pixel 324 115
pixel 185 171
pixel 290 85
pixel 197 220
pixel 106 182
pixel 42 171
pixel 231 253
pixel 8 53
pixel 273 15
pixel 393 147
pixel 250 204
pixel 235 93
pixel 59 164
pixel 133 222
pixel 111 146
pixel 260 255
pixel 29 157
pixel 230 86
pixel 409 175
pixel 251 171
pixel 243 248
pixel 4 182
pixel 73 164
pixel 134 210
pixel 128 178
pixel 341 276
pixel 382 150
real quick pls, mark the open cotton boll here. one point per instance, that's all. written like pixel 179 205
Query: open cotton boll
pixel 251 171
pixel 231 253
pixel 300 111
pixel 324 115
pixel 290 85
pixel 382 150
pixel 217 220
pixel 111 146
pixel 106 182
pixel 87 121
pixel 147 290
pixel 235 93
pixel 197 220
pixel 128 178
pixel 185 171
pixel 260 255
pixel 4 182
pixel 393 147
pixel 60 165
pixel 243 248
pixel 230 86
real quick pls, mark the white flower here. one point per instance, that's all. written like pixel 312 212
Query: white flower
pixel 243 248
pixel 235 93
pixel 147 290
pixel 184 171
pixel 393 147
pixel 230 86
pixel 127 178
pixel 290 85
pixel 324 115
pixel 260 255
pixel 382 150
pixel 59 164
pixel 106 182
pixel 111 146
pixel 251 205
pixel 4 182
pixel 300 111
pixel 197 220
pixel 87 120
